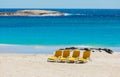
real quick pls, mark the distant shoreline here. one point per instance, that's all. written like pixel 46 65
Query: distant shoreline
pixel 32 13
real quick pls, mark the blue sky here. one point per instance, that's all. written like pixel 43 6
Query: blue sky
pixel 60 4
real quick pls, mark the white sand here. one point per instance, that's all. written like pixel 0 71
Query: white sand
pixel 36 65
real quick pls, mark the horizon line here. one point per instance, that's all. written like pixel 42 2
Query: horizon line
pixel 55 8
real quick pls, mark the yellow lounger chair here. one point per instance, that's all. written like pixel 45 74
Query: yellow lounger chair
pixel 86 56
pixel 75 55
pixel 57 54
pixel 65 55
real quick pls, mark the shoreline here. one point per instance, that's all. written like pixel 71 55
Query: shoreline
pixel 39 49
pixel 57 45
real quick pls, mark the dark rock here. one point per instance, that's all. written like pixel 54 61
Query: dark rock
pixel 61 49
pixel 108 51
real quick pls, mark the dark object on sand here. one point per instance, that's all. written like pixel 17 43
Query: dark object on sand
pixel 86 49
pixel 99 49
pixel 67 48
pixel 61 49
pixel 81 48
pixel 71 48
pixel 108 51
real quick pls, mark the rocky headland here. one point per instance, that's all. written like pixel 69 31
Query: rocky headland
pixel 32 13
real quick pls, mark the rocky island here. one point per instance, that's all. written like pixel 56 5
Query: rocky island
pixel 32 13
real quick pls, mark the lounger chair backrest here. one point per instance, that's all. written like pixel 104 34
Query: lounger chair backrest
pixel 58 53
pixel 76 53
pixel 86 54
pixel 66 53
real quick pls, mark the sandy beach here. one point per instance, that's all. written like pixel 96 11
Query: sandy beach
pixel 83 32
pixel 102 64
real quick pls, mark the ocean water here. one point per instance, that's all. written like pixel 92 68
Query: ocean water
pixel 88 27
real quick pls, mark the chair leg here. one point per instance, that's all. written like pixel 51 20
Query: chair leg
pixel 47 60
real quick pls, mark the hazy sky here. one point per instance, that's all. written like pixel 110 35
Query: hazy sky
pixel 60 4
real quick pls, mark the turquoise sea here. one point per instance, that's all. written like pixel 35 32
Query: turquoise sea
pixel 88 27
